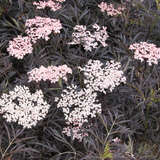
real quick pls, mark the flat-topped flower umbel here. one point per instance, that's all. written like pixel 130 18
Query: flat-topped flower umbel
pixel 110 9
pixel 42 27
pixel 77 105
pixel 52 4
pixel 89 40
pixel 100 77
pixel 20 46
pixel 23 107
pixel 146 51
pixel 51 73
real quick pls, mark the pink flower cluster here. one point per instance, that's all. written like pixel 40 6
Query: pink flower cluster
pixel 54 5
pixel 20 46
pixel 41 27
pixel 144 50
pixel 51 73
pixel 38 27
pixel 110 9
pixel 87 39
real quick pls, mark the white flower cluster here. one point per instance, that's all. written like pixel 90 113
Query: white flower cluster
pixel 23 107
pixel 100 77
pixel 77 105
pixel 87 39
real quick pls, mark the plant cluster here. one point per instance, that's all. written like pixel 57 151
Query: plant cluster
pixel 80 80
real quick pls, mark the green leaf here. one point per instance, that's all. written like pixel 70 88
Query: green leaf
pixel 1 11
pixel 107 153
pixel 158 4
pixel 60 83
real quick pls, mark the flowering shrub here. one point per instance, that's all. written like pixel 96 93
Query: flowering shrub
pixel 41 27
pixel 146 51
pixel 20 46
pixel 51 73
pixel 109 8
pixel 87 39
pixel 101 100
pixel 100 77
pixel 54 5
pixel 23 107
